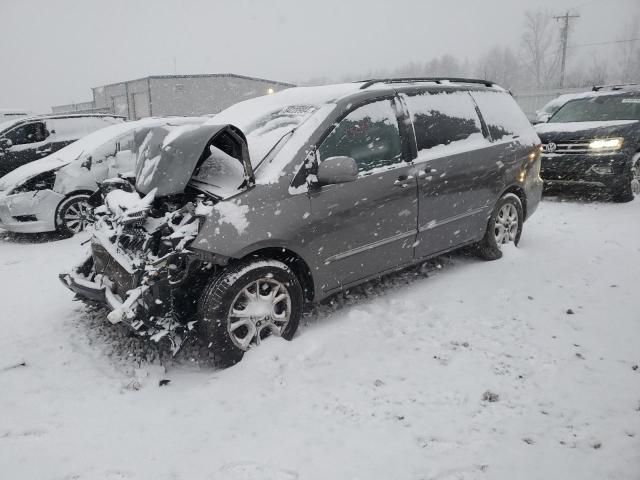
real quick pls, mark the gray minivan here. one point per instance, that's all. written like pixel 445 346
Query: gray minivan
pixel 231 227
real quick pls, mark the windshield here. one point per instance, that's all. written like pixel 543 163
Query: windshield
pixel 219 173
pixel 599 108
pixel 9 124
pixel 264 129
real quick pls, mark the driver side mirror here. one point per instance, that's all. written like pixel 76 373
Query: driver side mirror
pixel 87 163
pixel 5 144
pixel 337 170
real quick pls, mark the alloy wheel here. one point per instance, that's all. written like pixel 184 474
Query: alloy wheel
pixel 77 216
pixel 261 308
pixel 506 224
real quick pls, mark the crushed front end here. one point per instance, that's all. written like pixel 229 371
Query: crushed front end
pixel 139 264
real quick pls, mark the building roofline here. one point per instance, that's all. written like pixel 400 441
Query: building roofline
pixel 199 75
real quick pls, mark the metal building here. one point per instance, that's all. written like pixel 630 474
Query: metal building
pixel 163 95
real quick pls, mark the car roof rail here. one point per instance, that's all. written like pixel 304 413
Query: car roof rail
pixel 617 86
pixel 439 80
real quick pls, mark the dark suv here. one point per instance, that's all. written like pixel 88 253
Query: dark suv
pixel 24 140
pixel 593 142
pixel 230 228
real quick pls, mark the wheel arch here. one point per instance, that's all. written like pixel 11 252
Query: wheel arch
pixel 64 199
pixel 520 193
pixel 294 261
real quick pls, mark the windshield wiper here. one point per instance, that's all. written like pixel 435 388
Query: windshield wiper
pixel 277 144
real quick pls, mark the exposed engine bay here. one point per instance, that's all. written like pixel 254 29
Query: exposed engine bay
pixel 140 264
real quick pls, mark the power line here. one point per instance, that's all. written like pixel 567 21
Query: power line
pixel 604 43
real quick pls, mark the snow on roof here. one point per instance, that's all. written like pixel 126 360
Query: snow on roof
pixel 244 113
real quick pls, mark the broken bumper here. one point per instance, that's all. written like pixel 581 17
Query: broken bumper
pixel 100 291
pixel 29 212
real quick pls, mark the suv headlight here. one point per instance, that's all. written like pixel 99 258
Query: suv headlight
pixel 606 144
pixel 42 181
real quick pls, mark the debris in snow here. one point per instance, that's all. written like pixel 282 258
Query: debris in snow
pixel 579 355
pixel 596 445
pixel 491 397
pixel 529 297
pixel 570 312
pixel 634 368
pixel 378 383
pixel 15 365
pixel 163 382
pixel 528 441
pixel 133 385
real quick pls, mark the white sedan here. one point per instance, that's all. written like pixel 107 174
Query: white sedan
pixel 53 193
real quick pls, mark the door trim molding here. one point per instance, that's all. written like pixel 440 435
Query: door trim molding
pixel 435 224
pixel 369 246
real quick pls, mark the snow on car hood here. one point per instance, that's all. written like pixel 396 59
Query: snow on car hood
pixel 580 126
pixel 25 172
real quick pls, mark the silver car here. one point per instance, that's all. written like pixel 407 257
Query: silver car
pixel 233 227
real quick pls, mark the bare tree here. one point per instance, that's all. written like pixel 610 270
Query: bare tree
pixel 501 65
pixel 540 48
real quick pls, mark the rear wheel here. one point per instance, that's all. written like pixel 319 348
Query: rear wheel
pixel 245 304
pixel 631 189
pixel 504 226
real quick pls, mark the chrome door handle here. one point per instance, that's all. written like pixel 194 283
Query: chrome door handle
pixel 402 181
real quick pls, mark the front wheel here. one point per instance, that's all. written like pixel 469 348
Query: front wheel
pixel 74 215
pixel 245 304
pixel 504 226
pixel 632 188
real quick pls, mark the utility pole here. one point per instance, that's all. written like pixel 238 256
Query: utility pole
pixel 564 37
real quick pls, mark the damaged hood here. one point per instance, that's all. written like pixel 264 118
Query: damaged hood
pixel 168 159
pixel 25 172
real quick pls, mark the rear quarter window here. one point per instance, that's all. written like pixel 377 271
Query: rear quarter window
pixel 444 119
pixel 503 116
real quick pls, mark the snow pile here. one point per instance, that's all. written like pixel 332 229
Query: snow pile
pixel 472 371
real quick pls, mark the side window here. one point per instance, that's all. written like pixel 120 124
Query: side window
pixel 444 118
pixel 501 113
pixel 28 133
pixel 71 128
pixel 369 135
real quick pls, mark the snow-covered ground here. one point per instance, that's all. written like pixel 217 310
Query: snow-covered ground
pixel 387 383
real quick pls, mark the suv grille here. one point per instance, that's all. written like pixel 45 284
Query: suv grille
pixel 575 147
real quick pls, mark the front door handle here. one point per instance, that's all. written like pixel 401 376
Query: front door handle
pixel 403 181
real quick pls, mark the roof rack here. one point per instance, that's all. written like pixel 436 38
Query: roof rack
pixel 439 80
pixel 619 86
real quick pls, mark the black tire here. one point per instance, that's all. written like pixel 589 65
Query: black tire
pixel 219 296
pixel 64 224
pixel 631 187
pixel 623 195
pixel 489 248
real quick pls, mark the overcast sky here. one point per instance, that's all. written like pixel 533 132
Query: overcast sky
pixel 52 52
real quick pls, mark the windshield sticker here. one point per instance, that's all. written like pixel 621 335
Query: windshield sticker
pixel 631 100
pixel 297 109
